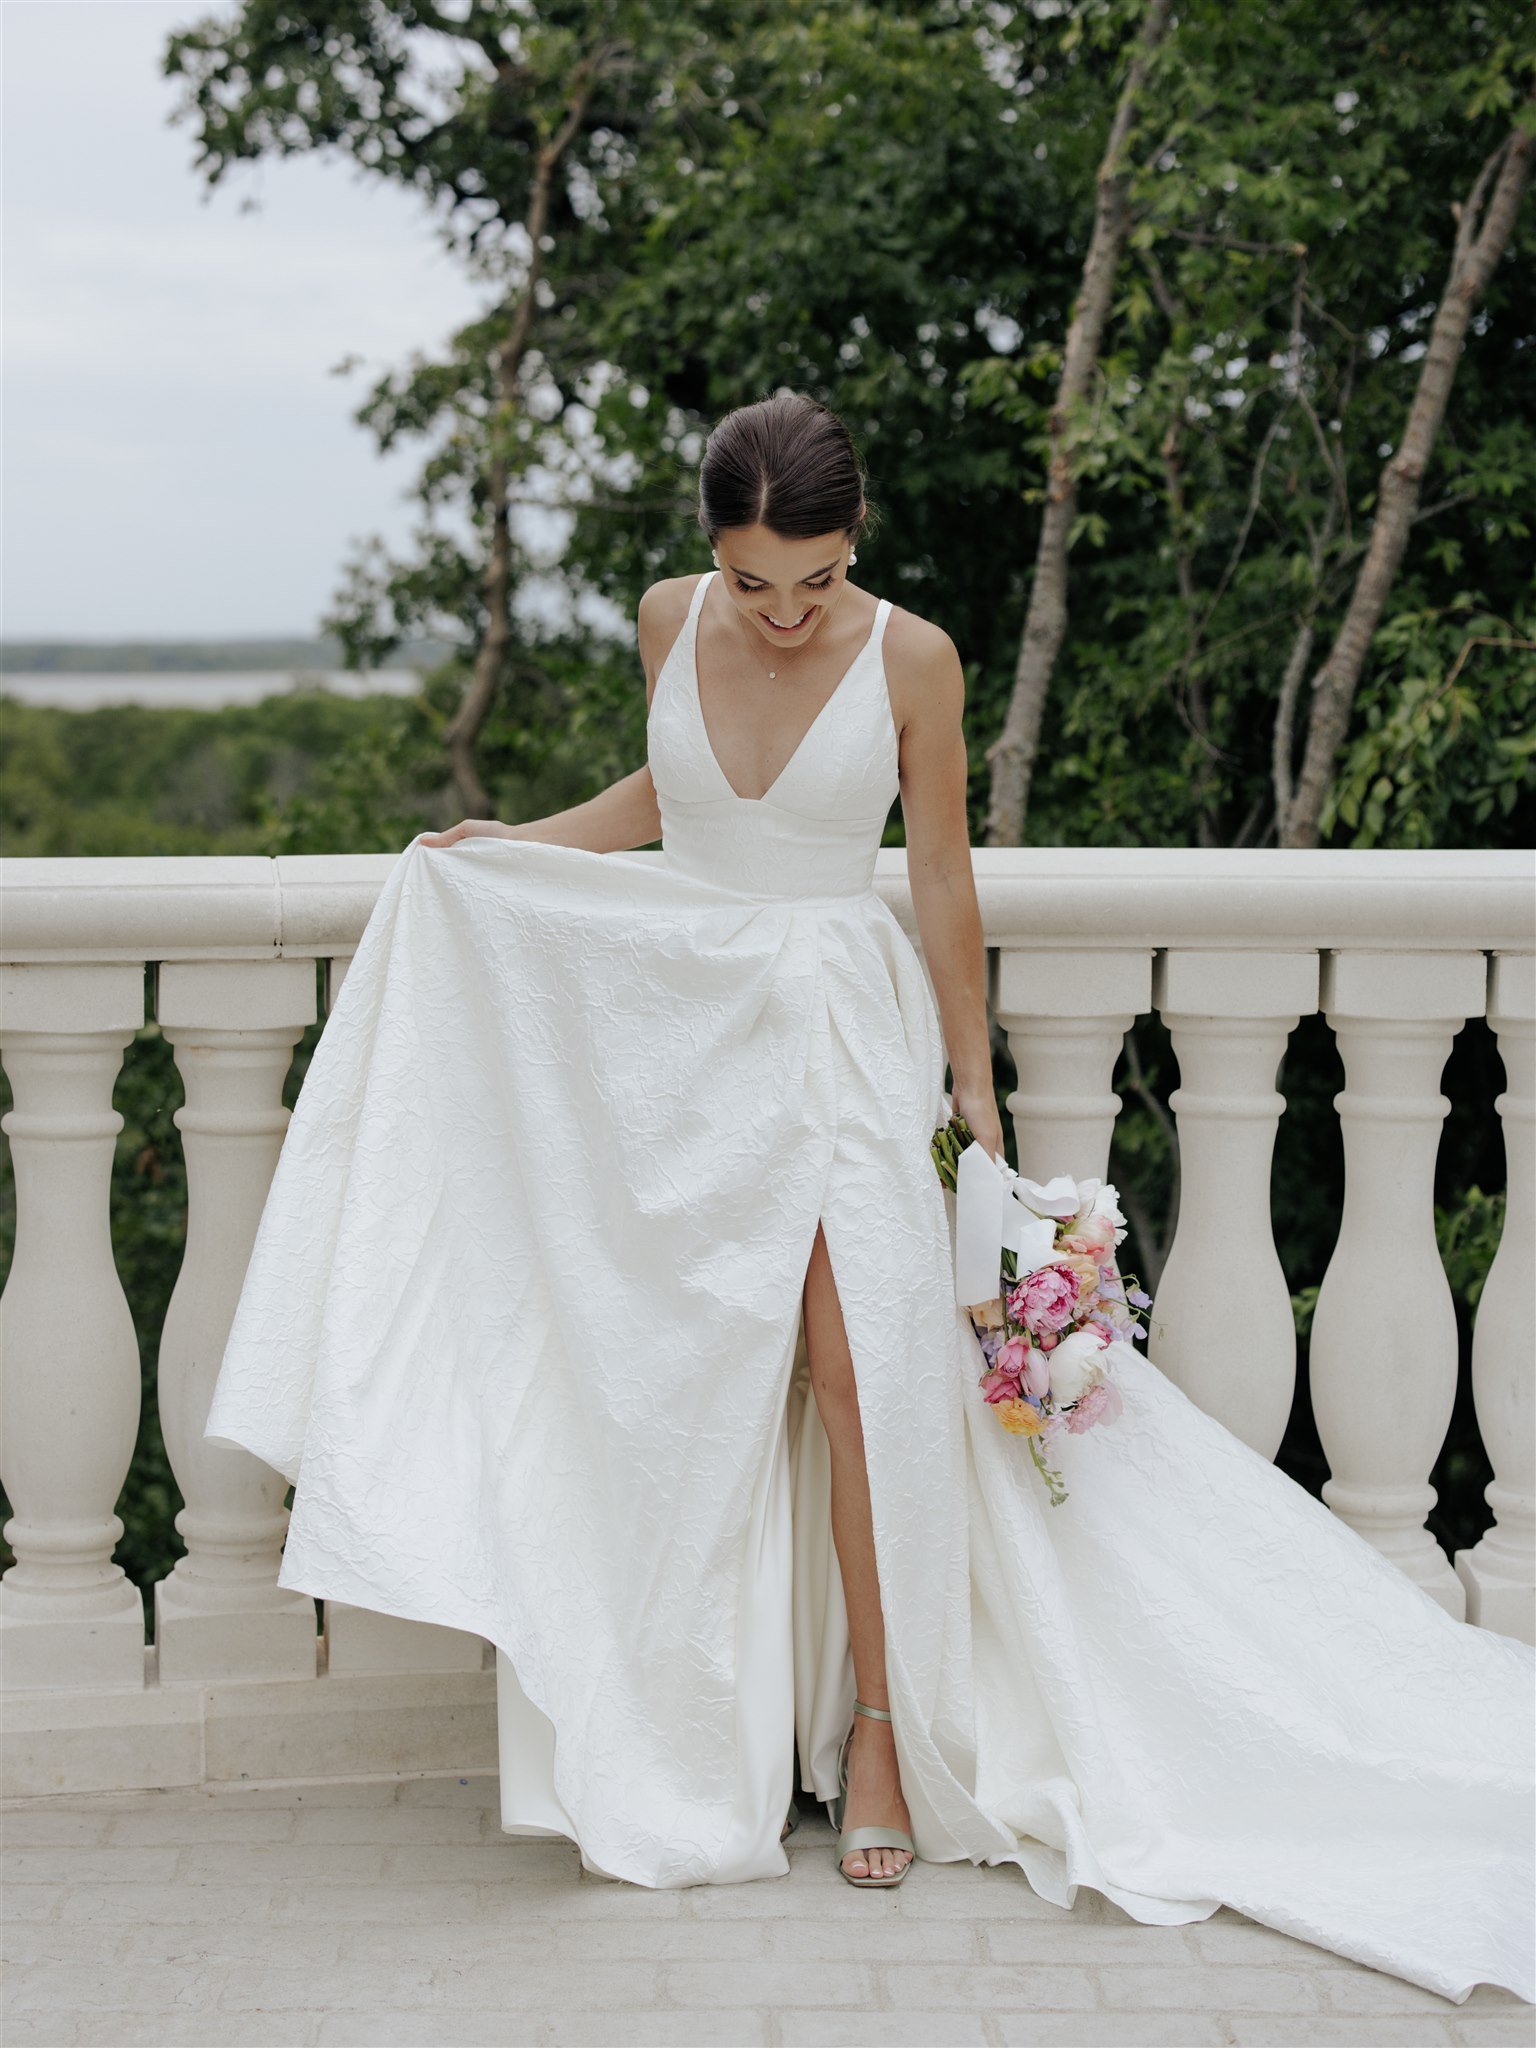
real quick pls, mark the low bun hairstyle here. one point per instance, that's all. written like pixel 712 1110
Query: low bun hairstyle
pixel 787 463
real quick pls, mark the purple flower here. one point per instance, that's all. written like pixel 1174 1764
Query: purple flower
pixel 1138 1299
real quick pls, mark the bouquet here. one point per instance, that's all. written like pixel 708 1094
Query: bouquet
pixel 1035 1270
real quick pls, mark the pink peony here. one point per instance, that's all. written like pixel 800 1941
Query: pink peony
pixel 1101 1403
pixel 1045 1301
pixel 997 1386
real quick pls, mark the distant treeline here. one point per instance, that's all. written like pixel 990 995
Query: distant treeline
pixel 193 657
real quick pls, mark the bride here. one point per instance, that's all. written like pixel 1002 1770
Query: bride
pixel 592 1140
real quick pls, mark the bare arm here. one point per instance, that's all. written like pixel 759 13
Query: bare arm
pixel 625 814
pixel 621 816
pixel 931 688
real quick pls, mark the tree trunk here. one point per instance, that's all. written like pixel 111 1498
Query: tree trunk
pixel 464 728
pixel 1479 245
pixel 1011 755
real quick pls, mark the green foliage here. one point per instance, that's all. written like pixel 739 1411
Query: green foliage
pixel 1442 754
pixel 123 779
pixel 888 207
pixel 1468 1236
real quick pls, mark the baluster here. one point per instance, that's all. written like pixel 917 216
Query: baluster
pixel 70 1388
pixel 1499 1572
pixel 1221 1325
pixel 1066 1015
pixel 1383 1360
pixel 220 1613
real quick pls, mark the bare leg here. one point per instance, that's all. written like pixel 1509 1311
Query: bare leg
pixel 874 1782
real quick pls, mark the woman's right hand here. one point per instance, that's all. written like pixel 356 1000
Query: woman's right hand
pixel 467 828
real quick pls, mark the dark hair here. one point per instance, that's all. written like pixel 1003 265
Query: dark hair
pixel 787 463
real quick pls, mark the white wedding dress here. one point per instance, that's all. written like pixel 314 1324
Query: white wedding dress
pixel 522 1324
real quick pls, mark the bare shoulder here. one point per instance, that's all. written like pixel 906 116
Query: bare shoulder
pixel 922 665
pixel 659 618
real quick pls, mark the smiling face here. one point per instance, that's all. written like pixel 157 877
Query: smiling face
pixel 783 589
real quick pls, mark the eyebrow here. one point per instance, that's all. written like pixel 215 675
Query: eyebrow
pixel 747 573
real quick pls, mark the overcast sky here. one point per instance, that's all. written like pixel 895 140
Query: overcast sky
pixel 178 460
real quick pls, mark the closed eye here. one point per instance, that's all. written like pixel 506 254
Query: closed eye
pixel 756 589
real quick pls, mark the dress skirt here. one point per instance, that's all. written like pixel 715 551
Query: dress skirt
pixel 522 1324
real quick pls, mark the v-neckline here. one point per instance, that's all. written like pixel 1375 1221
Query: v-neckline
pixel 800 744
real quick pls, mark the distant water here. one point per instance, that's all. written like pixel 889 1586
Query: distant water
pixel 206 691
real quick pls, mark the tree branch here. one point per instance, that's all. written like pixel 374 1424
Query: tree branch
pixel 1483 228
pixel 1012 753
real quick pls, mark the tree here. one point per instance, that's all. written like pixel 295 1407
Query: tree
pixel 464 728
pixel 1289 233
pixel 1011 755
pixel 523 144
pixel 890 208
pixel 1484 225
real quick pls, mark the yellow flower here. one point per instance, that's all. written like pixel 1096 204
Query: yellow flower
pixel 987 1315
pixel 1019 1418
pixel 1086 1269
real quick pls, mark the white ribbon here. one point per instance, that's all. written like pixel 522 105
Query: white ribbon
pixel 997 1209
pixel 980 1211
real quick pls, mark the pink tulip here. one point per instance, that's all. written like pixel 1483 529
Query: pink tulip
pixel 1009 1357
pixel 1098 1235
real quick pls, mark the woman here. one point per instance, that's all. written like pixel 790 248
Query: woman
pixel 586 1142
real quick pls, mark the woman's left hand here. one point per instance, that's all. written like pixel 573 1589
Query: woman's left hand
pixel 979 1108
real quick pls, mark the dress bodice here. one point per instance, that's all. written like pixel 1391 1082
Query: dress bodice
pixel 817 828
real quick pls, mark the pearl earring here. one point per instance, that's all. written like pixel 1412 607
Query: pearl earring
pixel 852 557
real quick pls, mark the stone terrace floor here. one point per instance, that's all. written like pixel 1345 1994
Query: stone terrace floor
pixel 396 1912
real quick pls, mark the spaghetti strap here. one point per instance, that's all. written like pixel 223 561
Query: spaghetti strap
pixel 698 595
pixel 682 649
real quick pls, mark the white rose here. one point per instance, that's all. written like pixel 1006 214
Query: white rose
pixel 1075 1364
pixel 1107 1203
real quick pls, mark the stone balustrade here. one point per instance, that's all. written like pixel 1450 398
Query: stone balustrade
pixel 1230 948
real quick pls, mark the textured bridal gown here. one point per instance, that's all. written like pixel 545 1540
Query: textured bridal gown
pixel 522 1323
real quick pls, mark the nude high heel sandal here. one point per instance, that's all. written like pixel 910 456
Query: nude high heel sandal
pixel 851 1839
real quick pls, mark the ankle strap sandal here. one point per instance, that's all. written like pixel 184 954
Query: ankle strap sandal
pixel 850 1840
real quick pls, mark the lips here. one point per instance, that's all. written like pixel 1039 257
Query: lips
pixel 794 625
